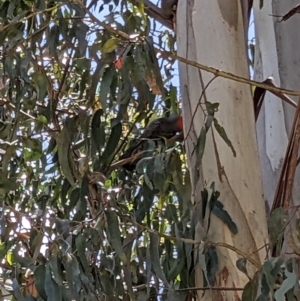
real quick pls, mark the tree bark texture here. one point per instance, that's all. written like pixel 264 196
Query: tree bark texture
pixel 212 33
pixel 277 55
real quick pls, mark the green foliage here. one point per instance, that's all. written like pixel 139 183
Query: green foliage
pixel 73 92
pixel 74 225
pixel 277 278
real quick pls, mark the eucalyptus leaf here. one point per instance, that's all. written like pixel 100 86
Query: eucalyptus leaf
pixel 155 258
pixel 224 136
pixel 114 234
pixel 17 290
pixel 224 216
pixel 51 288
pixel 110 45
pixel 200 145
pixel 39 276
pixel 287 284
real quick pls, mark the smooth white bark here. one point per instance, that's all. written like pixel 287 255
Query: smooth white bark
pixel 212 33
pixel 277 54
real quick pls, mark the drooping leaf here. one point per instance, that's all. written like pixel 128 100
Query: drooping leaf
pixel 53 40
pixel 40 81
pixel 107 283
pixel 212 264
pixel 250 291
pixel 276 222
pixel 155 258
pixel 287 284
pixel 202 262
pixel 55 266
pixel 208 122
pixel 113 142
pixel 110 45
pixel 211 204
pixel 224 216
pixel 81 247
pixel 72 274
pixel 114 234
pixel 52 290
pixel 63 148
pixel 16 290
pixel 143 207
pixel 224 136
pixel 176 268
pixel 106 83
pixel 204 195
pixel 98 135
pixel 39 276
pixel 200 146
pixel 82 205
pixel 241 265
pixel 271 269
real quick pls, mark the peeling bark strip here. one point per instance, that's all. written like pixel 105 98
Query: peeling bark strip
pixel 286 180
pixel 277 44
pixel 203 36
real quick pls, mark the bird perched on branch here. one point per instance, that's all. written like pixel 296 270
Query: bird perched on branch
pixel 164 127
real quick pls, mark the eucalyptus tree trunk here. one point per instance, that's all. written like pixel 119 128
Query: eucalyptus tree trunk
pixel 277 55
pixel 212 33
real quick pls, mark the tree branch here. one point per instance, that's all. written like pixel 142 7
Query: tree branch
pixel 215 71
pixel 210 288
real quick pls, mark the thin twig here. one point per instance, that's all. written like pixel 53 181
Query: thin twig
pixel 236 250
pixel 195 242
pixel 35 13
pixel 198 104
pixel 209 288
pixel 215 71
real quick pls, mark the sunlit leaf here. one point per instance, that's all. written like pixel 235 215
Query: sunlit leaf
pixel 81 247
pixel 110 45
